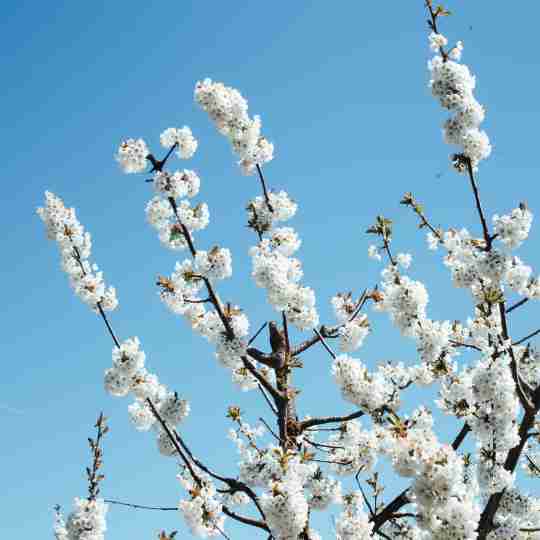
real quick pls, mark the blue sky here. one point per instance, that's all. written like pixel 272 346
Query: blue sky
pixel 341 88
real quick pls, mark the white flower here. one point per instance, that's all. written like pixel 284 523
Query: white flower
pixel 369 392
pixel 128 359
pixel 215 264
pixel 436 41
pixel 285 240
pixel 353 523
pixel 373 253
pixel 432 240
pixel 513 229
pixel 75 250
pixel 404 259
pixel 456 51
pixel 229 111
pixel 131 155
pixel 453 85
pixel 87 520
pixel 353 333
pixel 187 144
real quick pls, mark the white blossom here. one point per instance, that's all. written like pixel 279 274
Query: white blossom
pixel 87 520
pixel 513 229
pixel 75 249
pixel 131 155
pixel 229 111
pixel 187 144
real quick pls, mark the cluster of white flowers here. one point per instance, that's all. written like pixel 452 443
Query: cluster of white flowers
pixel 513 229
pixel 229 111
pixel 445 503
pixel 164 211
pixel 203 512
pixel 518 513
pixel 285 507
pixel 128 374
pixel 453 85
pixel 85 522
pixel 278 273
pixel 485 397
pixel 183 138
pixel 162 217
pixel 261 218
pixel 352 333
pixel 324 490
pixel 403 299
pixel 368 391
pixel 131 155
pixel 477 269
pixel 352 449
pixel 75 246
pixel 178 184
pixel 181 294
pixel 283 475
pixel 353 327
pixel 353 523
pixel 214 265
pixel 494 423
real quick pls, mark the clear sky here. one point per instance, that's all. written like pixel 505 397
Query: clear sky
pixel 341 88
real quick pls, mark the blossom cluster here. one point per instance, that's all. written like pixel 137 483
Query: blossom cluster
pixel 85 522
pixel 182 138
pixel 453 85
pixel 481 270
pixel 353 327
pixel 173 219
pixel 129 375
pixel 133 154
pixel 513 229
pixel 446 504
pixel 353 449
pixel 285 507
pixel 353 522
pixel 203 511
pixel 292 486
pixel 181 293
pixel 485 397
pixel 368 391
pixel 228 109
pixel 75 246
pixel 274 268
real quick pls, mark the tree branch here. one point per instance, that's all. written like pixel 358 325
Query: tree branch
pixel 328 420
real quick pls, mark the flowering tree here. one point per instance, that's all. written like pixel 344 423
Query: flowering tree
pixel 292 467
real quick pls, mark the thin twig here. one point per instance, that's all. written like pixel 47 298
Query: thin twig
pixel 526 338
pixel 270 404
pixel 265 191
pixel 256 335
pixel 517 304
pixel 325 345
pixel 94 477
pixel 142 506
pixel 174 442
pixel 269 428
pixel 264 383
pixel 485 230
